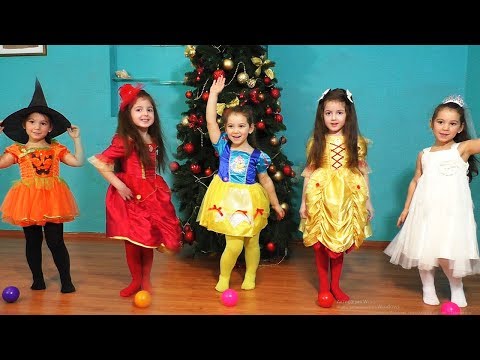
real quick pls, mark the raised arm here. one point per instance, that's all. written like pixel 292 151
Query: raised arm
pixel 211 112
pixel 468 148
pixel 411 190
pixel 78 157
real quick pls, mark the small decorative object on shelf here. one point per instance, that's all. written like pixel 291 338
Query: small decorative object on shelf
pixel 122 74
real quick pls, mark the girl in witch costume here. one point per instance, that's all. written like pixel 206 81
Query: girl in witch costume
pixel 139 210
pixel 40 202
pixel 336 209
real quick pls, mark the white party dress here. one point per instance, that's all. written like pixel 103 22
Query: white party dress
pixel 440 222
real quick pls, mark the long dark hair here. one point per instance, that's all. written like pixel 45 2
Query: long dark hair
pixel 127 130
pixel 320 130
pixel 461 136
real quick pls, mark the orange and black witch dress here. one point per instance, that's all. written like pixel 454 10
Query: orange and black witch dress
pixel 41 195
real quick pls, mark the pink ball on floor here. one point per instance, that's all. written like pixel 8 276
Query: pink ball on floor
pixel 450 308
pixel 229 297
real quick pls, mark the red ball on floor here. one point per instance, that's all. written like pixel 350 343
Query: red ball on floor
pixel 325 299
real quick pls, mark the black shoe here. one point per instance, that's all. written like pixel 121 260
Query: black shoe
pixel 38 285
pixel 67 288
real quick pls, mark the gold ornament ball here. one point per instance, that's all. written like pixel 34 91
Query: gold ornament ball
pixel 185 121
pixel 190 51
pixel 278 176
pixel 228 64
pixel 274 141
pixel 251 83
pixel 242 78
pixel 284 206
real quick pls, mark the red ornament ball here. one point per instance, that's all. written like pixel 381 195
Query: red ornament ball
pixel 269 110
pixel 275 93
pixel 174 166
pixel 325 299
pixel 189 236
pixel 189 148
pixel 287 170
pixel 208 171
pixel 192 118
pixel 267 80
pixel 218 73
pixel 205 96
pixel 260 125
pixel 195 168
pixel 278 118
pixel 271 246
pixel 189 94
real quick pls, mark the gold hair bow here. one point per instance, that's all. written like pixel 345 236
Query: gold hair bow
pixel 221 106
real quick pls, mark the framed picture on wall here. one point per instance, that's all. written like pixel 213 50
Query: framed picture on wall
pixel 20 50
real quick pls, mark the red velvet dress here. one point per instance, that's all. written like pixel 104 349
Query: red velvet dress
pixel 149 219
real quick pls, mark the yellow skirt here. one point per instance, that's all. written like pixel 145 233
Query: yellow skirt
pixel 234 209
pixel 337 214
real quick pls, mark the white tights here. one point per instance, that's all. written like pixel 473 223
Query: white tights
pixel 456 285
pixel 428 286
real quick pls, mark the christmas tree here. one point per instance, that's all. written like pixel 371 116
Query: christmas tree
pixel 250 80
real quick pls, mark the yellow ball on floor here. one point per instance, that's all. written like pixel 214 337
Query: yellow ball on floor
pixel 142 299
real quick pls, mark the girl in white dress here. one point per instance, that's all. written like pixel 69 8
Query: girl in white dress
pixel 439 228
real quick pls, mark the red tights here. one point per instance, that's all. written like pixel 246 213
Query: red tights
pixel 323 260
pixel 140 261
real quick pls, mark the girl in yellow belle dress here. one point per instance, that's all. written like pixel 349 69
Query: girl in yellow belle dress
pixel 336 209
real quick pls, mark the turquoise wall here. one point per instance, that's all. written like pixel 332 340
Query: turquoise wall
pixel 395 89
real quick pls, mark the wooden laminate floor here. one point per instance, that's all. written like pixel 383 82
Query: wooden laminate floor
pixel 184 284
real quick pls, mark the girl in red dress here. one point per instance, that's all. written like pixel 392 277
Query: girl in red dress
pixel 41 199
pixel 138 201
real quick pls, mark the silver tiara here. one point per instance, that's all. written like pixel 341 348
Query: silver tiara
pixel 457 99
pixel 349 95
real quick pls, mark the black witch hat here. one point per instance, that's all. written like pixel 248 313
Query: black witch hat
pixel 13 124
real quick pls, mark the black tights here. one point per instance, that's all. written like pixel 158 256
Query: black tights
pixel 56 244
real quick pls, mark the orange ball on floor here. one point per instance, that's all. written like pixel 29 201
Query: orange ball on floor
pixel 142 299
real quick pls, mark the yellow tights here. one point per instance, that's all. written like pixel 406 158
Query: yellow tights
pixel 233 248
